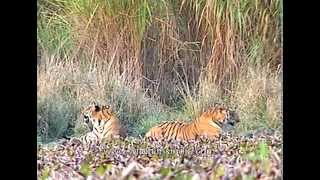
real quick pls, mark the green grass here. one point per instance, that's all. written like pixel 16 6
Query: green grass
pixel 55 117
pixel 53 29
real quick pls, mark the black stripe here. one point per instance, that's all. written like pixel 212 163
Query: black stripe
pixel 108 130
pixel 96 135
pixel 171 130
pixel 184 134
pixel 195 127
pixel 167 134
pixel 174 130
pixel 163 128
pixel 196 130
pixel 179 130
pixel 161 125
pixel 179 126
pixel 87 139
pixel 94 128
pixel 218 123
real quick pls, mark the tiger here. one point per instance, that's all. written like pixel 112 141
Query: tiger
pixel 208 125
pixel 102 122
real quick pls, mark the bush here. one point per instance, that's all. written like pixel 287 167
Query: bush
pixel 55 118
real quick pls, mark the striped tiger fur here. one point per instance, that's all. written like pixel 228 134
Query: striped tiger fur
pixel 103 124
pixel 209 125
pixel 89 138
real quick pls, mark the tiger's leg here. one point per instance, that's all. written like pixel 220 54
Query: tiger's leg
pixel 211 134
pixel 110 138
pixel 87 139
pixel 154 133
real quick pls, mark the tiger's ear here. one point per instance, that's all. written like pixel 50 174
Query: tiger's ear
pixel 223 110
pixel 106 109
pixel 94 105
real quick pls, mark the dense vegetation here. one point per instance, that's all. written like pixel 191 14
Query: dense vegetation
pixel 157 60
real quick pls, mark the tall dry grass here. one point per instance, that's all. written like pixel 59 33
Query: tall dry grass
pixel 65 88
pixel 154 60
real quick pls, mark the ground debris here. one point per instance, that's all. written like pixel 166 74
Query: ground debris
pixel 254 156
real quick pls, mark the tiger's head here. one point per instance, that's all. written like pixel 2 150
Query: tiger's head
pixel 103 115
pixel 87 112
pixel 219 116
pixel 102 121
pixel 95 114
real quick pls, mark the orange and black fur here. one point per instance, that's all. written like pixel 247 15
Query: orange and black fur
pixel 105 124
pixel 208 125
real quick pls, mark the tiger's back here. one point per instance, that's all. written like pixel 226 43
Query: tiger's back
pixel 171 130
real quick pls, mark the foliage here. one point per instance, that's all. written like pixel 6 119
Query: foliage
pixel 126 158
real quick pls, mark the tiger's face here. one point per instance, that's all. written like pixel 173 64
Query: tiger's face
pixel 88 111
pixel 94 114
pixel 101 115
pixel 220 116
